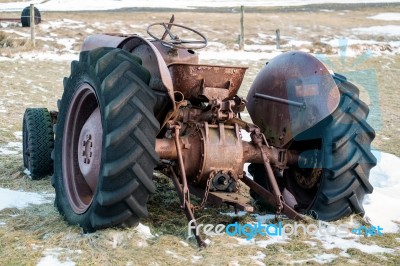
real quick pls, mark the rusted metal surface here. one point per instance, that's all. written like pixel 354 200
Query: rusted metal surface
pixel 299 78
pixel 166 149
pixel 213 149
pixel 104 40
pixel 206 82
pixel 152 60
pixel 176 56
pixel 258 139
pixel 252 154
pixel 171 20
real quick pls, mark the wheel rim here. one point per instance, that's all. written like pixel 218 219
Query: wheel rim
pixel 82 148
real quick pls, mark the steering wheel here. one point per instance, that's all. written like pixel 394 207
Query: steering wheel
pixel 175 41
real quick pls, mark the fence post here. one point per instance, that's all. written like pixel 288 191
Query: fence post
pixel 278 39
pixel 241 37
pixel 32 24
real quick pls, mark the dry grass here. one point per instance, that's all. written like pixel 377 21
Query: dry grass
pixel 33 232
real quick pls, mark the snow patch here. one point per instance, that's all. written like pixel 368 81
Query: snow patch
pixel 18 135
pixel 67 42
pixel 51 260
pixel 382 207
pixel 175 255
pixel 386 16
pixel 259 256
pixel 311 243
pixel 261 243
pixel 233 214
pixel 11 148
pixel 51 257
pixel 144 231
pixel 21 199
pixel 4 151
pixel 196 259
pixel 331 242
pixel 27 172
pixel 184 243
pixel 390 30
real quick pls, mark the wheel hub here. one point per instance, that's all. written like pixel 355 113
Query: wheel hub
pixel 89 149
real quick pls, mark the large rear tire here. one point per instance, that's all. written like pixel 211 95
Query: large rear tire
pixel 105 141
pixel 340 147
pixel 37 142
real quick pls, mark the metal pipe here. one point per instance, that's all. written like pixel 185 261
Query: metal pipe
pixel 279 100
pixel 166 149
pixel 169 27
pixel 252 153
pixel 180 160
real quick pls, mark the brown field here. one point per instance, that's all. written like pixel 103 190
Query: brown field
pixel 33 232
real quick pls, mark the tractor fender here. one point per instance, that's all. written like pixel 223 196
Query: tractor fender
pixel 151 58
pixel 292 93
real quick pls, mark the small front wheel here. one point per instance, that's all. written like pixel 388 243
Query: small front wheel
pixel 37 142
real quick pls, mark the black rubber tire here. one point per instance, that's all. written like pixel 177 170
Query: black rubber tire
pixel 129 133
pixel 344 140
pixel 37 142
pixel 26 16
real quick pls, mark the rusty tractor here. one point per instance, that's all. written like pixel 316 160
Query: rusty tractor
pixel 132 105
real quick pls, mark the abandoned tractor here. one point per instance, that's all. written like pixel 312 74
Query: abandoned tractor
pixel 133 105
